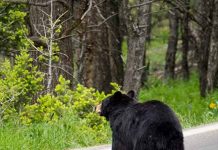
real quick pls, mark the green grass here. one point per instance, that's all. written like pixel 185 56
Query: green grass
pixel 68 132
pixel 183 97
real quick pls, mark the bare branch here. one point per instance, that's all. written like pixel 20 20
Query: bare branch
pixel 37 30
pixel 105 20
pixel 45 31
pixel 35 47
pixel 17 1
pixel 102 17
pixel 37 4
pixel 181 8
pixel 63 37
pixel 86 12
pixel 58 19
pixel 142 4
pixel 37 41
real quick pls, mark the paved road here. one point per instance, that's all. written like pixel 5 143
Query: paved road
pixel 199 138
pixel 202 138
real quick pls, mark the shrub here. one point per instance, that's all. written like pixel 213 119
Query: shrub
pixel 81 102
pixel 48 108
pixel 18 84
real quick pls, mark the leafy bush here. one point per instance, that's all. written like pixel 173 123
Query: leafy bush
pixel 80 101
pixel 19 83
pixel 12 26
pixel 48 108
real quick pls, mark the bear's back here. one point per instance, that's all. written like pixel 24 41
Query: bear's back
pixel 149 121
pixel 151 112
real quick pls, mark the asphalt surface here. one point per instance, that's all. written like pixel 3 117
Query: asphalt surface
pixel 202 138
pixel 198 138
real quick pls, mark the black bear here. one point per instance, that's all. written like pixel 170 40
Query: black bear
pixel 151 125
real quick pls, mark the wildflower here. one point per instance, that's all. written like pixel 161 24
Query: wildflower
pixel 212 105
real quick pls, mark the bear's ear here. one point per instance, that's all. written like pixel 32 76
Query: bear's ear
pixel 117 95
pixel 131 94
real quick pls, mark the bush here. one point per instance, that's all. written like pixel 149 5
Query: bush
pixel 48 108
pixel 20 87
pixel 81 102
pixel 19 84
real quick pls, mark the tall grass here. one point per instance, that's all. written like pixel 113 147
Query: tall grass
pixel 67 132
pixel 184 98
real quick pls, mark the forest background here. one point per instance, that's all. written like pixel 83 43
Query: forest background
pixel 60 58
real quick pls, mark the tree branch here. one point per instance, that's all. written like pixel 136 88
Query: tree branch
pixel 90 7
pixel 37 4
pixel 142 4
pixel 104 21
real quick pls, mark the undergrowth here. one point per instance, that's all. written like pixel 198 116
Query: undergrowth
pixel 69 131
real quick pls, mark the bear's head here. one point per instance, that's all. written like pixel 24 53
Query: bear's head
pixel 115 102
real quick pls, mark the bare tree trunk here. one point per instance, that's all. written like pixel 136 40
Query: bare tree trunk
pixel 172 45
pixel 185 41
pixel 2 56
pixel 99 54
pixel 205 10
pixel 114 41
pixel 136 33
pixel 79 37
pixel 213 56
pixel 149 23
pixel 50 50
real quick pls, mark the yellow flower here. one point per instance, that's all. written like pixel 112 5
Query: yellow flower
pixel 212 105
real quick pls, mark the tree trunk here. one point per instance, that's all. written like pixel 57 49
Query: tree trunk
pixel 185 41
pixel 213 56
pixel 205 9
pixel 2 56
pixel 39 24
pixel 79 37
pixel 172 45
pixel 149 23
pixel 114 41
pixel 99 54
pixel 136 37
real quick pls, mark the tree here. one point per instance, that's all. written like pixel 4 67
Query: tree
pixel 185 41
pixel 136 23
pixel 212 77
pixel 99 54
pixel 205 10
pixel 172 44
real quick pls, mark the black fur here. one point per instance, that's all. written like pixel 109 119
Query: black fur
pixel 141 126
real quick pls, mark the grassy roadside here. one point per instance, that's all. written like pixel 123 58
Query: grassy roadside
pixel 70 132
pixel 184 99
